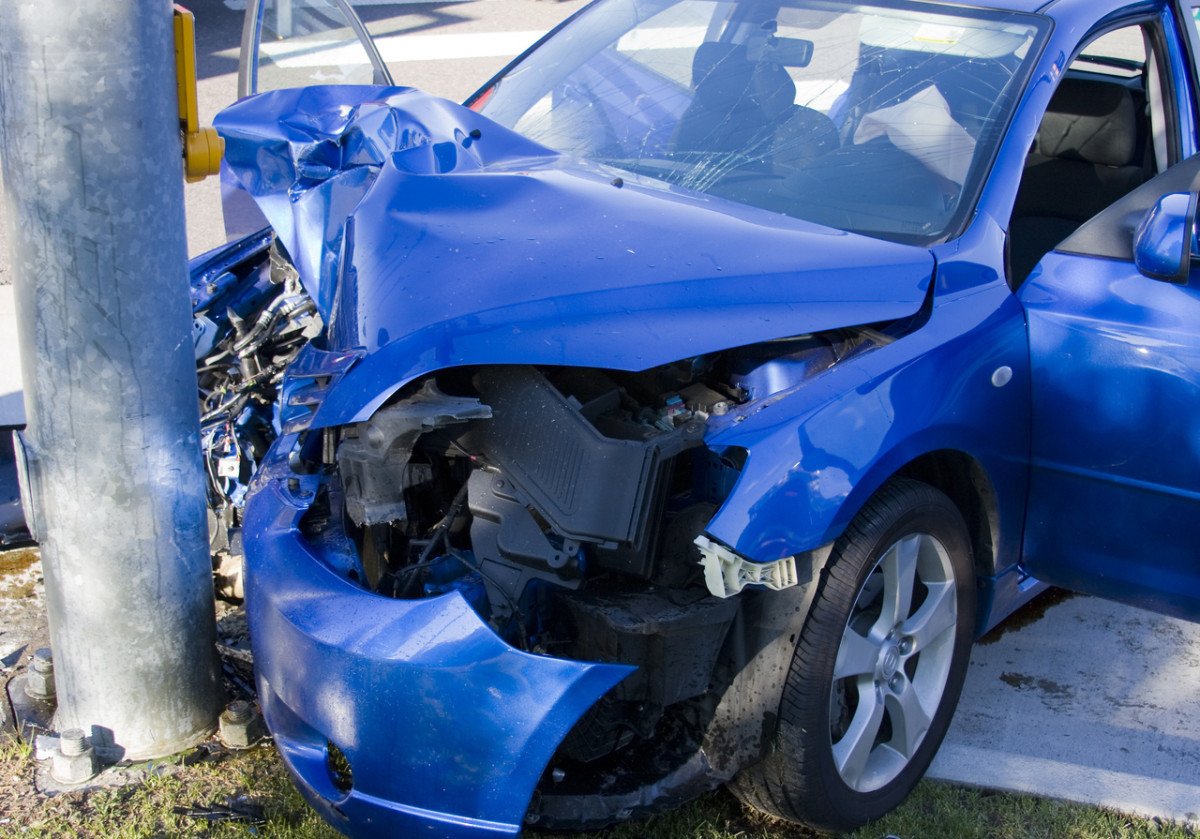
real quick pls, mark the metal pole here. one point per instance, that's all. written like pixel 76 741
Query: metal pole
pixel 89 137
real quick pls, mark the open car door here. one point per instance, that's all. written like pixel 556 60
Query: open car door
pixel 294 43
pixel 1114 330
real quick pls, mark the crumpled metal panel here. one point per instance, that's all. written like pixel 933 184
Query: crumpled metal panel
pixel 433 237
pixel 309 155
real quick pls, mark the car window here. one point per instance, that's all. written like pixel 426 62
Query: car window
pixel 646 68
pixel 1120 53
pixel 875 119
pixel 1110 234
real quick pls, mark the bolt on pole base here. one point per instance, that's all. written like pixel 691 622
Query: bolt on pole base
pixel 49 778
pixel 75 760
pixel 33 710
pixel 241 725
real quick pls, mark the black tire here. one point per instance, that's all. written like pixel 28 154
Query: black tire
pixel 814 775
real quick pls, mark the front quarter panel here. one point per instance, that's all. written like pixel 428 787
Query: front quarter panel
pixel 960 383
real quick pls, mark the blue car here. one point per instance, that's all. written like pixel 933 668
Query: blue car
pixel 677 411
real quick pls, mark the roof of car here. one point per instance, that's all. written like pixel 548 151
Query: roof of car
pixel 1092 9
pixel 1051 7
pixel 1015 5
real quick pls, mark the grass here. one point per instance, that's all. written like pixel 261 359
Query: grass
pixel 256 778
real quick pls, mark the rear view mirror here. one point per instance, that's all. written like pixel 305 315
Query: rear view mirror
pixel 764 45
pixel 1166 239
pixel 789 52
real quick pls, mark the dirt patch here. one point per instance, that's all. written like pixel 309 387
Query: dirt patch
pixel 22 607
pixel 20 590
pixel 13 562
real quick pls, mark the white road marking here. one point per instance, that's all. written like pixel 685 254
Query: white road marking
pixel 240 5
pixel 310 51
pixel 295 53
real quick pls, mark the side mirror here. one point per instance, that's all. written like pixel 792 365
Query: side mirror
pixel 1166 239
pixel 293 43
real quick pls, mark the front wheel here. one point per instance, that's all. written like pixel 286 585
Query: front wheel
pixel 878 667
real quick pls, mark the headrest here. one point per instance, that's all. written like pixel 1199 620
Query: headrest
pixel 774 89
pixel 721 71
pixel 723 74
pixel 1089 120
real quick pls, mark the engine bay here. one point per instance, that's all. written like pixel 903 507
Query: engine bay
pixel 564 505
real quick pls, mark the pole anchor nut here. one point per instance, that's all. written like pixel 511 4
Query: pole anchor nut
pixel 75 760
pixel 241 726
pixel 39 679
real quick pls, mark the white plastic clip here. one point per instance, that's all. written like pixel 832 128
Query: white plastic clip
pixel 726 573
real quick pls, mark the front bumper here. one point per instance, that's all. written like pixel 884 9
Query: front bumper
pixel 446 728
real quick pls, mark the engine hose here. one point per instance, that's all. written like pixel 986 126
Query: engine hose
pixel 258 336
pixel 265 318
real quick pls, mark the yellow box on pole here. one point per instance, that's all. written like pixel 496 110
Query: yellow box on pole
pixel 202 146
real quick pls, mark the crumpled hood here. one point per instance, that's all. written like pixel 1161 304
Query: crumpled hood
pixel 432 237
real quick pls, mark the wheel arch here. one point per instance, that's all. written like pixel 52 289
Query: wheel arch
pixel 963 479
pixel 795 779
pixel 817 455
pixel 966 481
pixel 780 617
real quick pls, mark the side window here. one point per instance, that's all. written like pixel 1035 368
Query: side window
pixel 1105 132
pixel 1126 54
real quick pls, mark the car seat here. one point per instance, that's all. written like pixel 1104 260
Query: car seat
pixel 724 115
pixel 748 108
pixel 1090 151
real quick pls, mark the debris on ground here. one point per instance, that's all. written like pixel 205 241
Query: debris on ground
pixel 235 809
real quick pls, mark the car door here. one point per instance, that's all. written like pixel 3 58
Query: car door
pixel 1114 501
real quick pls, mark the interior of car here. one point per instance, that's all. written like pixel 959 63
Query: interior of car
pixel 796 160
pixel 1103 135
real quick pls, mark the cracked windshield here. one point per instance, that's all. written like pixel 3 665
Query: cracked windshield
pixel 875 120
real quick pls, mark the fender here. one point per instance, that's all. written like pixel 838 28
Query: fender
pixel 818 452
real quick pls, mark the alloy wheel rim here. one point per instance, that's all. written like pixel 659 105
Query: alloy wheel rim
pixel 893 662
